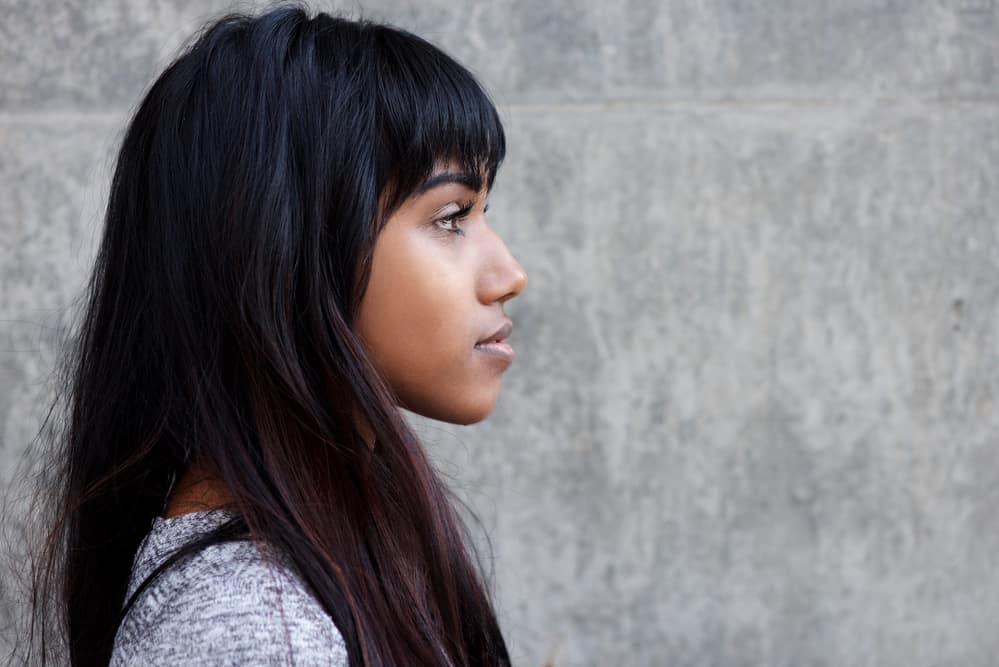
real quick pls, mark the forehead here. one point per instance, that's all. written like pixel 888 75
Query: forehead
pixel 454 172
pixel 445 172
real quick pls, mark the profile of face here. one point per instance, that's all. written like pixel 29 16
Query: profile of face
pixel 431 316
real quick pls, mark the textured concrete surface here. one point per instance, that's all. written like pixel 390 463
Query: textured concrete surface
pixel 754 416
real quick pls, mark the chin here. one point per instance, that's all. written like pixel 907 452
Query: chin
pixel 463 413
pixel 464 417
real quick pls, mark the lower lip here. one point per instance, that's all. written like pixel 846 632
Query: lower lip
pixel 501 350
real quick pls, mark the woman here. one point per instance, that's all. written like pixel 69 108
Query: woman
pixel 295 246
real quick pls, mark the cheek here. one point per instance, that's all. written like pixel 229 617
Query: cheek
pixel 410 309
pixel 417 321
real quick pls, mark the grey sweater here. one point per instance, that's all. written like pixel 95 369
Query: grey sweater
pixel 226 605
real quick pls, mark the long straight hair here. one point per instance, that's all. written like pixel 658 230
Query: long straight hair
pixel 249 189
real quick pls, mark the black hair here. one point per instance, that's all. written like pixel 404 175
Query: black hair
pixel 247 195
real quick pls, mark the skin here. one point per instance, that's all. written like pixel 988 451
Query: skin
pixel 437 287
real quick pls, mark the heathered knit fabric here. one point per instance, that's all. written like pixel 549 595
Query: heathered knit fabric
pixel 224 606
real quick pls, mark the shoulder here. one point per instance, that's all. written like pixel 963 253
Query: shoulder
pixel 228 604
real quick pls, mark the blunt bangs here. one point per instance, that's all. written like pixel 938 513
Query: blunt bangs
pixel 431 111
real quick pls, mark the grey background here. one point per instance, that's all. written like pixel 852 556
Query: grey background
pixel 753 417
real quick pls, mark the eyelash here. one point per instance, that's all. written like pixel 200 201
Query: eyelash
pixel 457 217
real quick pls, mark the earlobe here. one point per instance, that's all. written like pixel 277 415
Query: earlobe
pixel 364 428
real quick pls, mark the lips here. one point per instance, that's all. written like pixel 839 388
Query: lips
pixel 499 335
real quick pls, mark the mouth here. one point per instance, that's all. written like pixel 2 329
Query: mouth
pixel 493 344
pixel 499 335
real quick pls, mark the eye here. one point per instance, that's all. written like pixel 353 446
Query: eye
pixel 451 222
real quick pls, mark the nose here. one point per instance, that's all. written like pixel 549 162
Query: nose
pixel 503 277
pixel 518 280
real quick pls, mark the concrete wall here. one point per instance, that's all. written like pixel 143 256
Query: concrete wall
pixel 754 416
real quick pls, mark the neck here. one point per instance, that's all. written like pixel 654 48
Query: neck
pixel 200 488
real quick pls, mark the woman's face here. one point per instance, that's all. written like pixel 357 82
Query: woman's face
pixel 434 301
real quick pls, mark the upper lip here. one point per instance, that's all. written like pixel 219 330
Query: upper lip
pixel 503 332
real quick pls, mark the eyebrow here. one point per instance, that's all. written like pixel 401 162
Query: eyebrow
pixel 470 181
